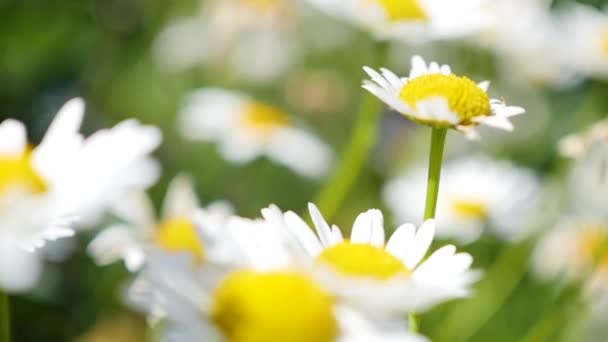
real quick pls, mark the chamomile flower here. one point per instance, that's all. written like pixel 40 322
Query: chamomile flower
pixel 250 37
pixel 476 192
pixel 177 231
pixel 572 250
pixel 64 181
pixel 578 144
pixel 379 276
pixel 587 29
pixel 253 301
pixel 432 95
pixel 412 20
pixel 245 129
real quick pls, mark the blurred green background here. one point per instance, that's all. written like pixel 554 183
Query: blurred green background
pixel 51 50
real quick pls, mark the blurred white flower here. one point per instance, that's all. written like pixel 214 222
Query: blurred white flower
pixel 432 95
pixel 410 20
pixel 250 36
pixel 382 276
pixel 253 302
pixel 575 250
pixel 578 144
pixel 245 129
pixel 181 223
pixel 475 192
pixel 585 37
pixel 518 46
pixel 65 180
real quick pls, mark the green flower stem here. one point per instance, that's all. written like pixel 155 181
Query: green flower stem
pixel 332 195
pixel 435 161
pixel 432 190
pixel 5 317
pixel 462 323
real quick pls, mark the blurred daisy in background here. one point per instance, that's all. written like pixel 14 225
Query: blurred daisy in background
pixel 176 232
pixel 589 171
pixel 517 47
pixel 585 33
pixel 251 37
pixel 432 95
pixel 67 180
pixel 476 193
pixel 410 20
pixel 264 298
pixel 246 129
pixel 383 276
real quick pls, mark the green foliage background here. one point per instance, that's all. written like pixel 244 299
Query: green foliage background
pixel 51 50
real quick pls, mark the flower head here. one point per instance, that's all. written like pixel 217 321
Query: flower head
pixel 410 20
pixel 177 231
pixel 475 191
pixel 246 129
pixel 378 275
pixel 432 95
pixel 66 180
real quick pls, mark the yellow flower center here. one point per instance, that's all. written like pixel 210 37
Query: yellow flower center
pixel 469 209
pixel 179 235
pixel 604 43
pixel 591 242
pixel 464 97
pixel 363 260
pixel 398 10
pixel 16 172
pixel 273 307
pixel 262 118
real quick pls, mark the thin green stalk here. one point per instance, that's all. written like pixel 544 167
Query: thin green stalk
pixel 435 161
pixel 5 317
pixel 432 190
pixel 332 195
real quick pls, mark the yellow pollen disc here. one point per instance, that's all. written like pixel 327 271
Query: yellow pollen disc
pixel 16 172
pixel 592 240
pixel 273 307
pixel 363 260
pixel 179 235
pixel 604 43
pixel 469 209
pixel 464 97
pixel 264 118
pixel 398 10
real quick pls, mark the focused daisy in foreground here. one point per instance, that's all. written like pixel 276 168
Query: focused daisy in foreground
pixel 245 129
pixel 177 232
pixel 383 276
pixel 476 192
pixel 413 20
pixel 252 301
pixel 65 181
pixel 432 95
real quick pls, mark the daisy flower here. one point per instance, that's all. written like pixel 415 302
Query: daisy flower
pixel 380 276
pixel 177 231
pixel 578 144
pixel 476 192
pixel 245 129
pixel 412 20
pixel 573 250
pixel 66 179
pixel 252 301
pixel 250 37
pixel 432 95
pixel 586 28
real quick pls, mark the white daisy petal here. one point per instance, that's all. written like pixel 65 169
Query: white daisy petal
pixel 13 137
pixel 323 230
pixel 422 242
pixel 400 241
pixel 303 233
